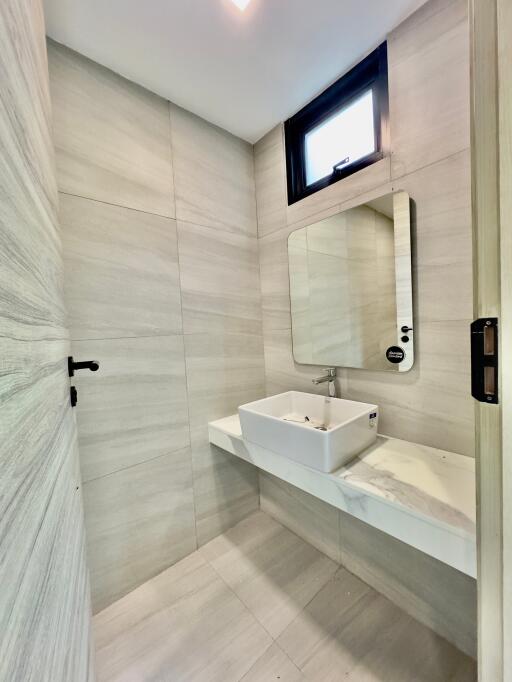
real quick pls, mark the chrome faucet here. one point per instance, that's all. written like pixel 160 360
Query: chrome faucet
pixel 329 377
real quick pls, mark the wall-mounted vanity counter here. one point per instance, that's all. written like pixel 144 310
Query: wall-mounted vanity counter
pixel 423 496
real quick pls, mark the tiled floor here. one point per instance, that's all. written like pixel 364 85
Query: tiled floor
pixel 258 604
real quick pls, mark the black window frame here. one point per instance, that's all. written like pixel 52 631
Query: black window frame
pixel 371 72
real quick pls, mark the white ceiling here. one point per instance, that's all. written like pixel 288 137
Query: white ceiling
pixel 244 71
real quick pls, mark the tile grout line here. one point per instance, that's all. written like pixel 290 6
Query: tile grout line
pixel 136 464
pixel 223 229
pixel 192 473
pixel 166 336
pixel 340 204
pixel 283 527
pixel 275 643
pixel 246 606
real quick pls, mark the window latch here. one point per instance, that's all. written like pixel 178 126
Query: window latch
pixel 338 167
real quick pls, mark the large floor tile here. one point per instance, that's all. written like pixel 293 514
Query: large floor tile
pixel 349 631
pixel 139 521
pixel 186 624
pixel 214 175
pixel 272 666
pixel 134 408
pixel 271 569
pixel 121 271
pixel 112 137
pixel 190 622
pixel 220 280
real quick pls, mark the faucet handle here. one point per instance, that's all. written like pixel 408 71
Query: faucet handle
pixel 330 371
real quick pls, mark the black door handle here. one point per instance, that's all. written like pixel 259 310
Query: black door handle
pixel 93 365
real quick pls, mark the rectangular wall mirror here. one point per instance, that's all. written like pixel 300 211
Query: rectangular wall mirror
pixel 351 288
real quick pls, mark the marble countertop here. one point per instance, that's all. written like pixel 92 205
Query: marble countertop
pixel 421 495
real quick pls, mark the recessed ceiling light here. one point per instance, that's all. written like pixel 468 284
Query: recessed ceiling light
pixel 241 4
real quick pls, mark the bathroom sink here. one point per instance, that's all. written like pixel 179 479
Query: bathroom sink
pixel 320 432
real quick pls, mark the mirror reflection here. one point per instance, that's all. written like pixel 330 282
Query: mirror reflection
pixel 351 287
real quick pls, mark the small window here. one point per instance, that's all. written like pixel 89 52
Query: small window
pixel 341 131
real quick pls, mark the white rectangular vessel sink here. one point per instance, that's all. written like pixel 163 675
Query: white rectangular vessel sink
pixel 320 432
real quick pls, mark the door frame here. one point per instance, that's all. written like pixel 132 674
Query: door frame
pixel 491 151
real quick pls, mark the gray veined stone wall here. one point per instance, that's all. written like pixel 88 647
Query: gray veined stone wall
pixel 45 612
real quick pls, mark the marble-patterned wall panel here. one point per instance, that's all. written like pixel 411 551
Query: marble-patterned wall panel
pixel 44 598
pixel 213 174
pixel 432 592
pixel 270 178
pixel 134 408
pixel 112 137
pixel 223 372
pixel 220 280
pixel 428 58
pixel 139 521
pixel 307 516
pixel 121 271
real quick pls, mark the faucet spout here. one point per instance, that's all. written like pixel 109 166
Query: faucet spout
pixel 329 378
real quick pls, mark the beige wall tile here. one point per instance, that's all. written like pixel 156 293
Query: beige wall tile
pixel 430 591
pixel 428 59
pixel 270 177
pixel 220 280
pixel 432 403
pixel 115 142
pixel 112 137
pixel 139 521
pixel 134 408
pixel 223 371
pixel 226 490
pixel 310 518
pixel 282 373
pixel 121 271
pixel 353 186
pixel 275 283
pixel 214 175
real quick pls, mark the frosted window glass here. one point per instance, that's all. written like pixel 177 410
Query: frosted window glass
pixel 347 134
